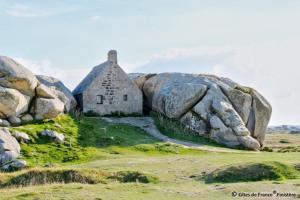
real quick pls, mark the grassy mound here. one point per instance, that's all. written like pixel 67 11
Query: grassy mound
pixel 42 151
pixel 134 176
pixel 86 139
pixel 41 177
pixel 65 176
pixel 252 172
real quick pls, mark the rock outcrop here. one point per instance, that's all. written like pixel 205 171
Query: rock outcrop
pixel 12 102
pixel 25 97
pixel 21 136
pixel 9 151
pixel 14 75
pixel 57 137
pixel 218 108
pixel 60 91
pixel 47 108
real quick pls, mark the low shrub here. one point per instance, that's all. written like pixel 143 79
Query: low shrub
pixel 91 113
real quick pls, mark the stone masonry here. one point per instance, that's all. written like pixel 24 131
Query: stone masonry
pixel 108 90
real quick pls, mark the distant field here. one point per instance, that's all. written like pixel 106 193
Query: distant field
pixel 110 149
pixel 283 142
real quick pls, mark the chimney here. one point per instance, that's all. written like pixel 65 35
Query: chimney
pixel 112 56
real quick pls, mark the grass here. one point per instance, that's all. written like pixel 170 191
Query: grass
pixel 42 151
pixel 282 142
pixel 275 171
pixel 174 129
pixel 84 138
pixel 165 148
pixel 42 177
pixel 129 156
pixel 66 176
pixel 133 176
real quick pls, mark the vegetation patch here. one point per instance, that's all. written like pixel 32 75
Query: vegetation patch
pixel 91 113
pixel 121 114
pixel 42 151
pixel 133 176
pixel 282 149
pixel 252 172
pixel 174 129
pixel 244 89
pixel 41 177
pixel 85 139
pixel 165 148
pixel 289 149
pixel 160 147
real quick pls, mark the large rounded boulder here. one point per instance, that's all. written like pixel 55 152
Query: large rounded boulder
pixel 23 97
pixel 9 147
pixel 12 102
pixel 60 91
pixel 14 75
pixel 218 108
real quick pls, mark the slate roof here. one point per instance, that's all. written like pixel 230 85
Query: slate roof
pixel 87 81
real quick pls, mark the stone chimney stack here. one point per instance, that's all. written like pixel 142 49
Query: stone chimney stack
pixel 112 56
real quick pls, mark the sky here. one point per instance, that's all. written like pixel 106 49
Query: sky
pixel 254 42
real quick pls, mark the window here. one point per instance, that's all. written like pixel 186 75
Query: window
pixel 99 99
pixel 125 97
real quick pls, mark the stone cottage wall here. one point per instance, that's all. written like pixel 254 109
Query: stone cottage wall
pixel 113 84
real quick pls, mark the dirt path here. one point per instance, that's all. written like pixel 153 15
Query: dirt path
pixel 147 124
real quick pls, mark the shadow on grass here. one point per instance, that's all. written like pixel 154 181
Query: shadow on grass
pixel 174 129
pixel 94 132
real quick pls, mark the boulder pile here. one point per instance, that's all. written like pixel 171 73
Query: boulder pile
pixel 25 97
pixel 215 107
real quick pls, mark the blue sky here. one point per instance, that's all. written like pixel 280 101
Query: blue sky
pixel 254 42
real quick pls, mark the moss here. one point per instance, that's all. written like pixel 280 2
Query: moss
pixel 244 89
pixel 252 172
pixel 134 176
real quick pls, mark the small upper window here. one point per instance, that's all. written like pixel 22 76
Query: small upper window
pixel 125 97
pixel 99 99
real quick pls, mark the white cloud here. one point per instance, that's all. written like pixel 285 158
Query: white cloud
pixel 25 11
pixel 272 68
pixel 95 18
pixel 70 77
pixel 20 10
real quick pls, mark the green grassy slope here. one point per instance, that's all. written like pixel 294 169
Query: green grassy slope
pixel 115 149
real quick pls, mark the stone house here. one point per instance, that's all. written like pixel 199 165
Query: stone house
pixel 107 89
